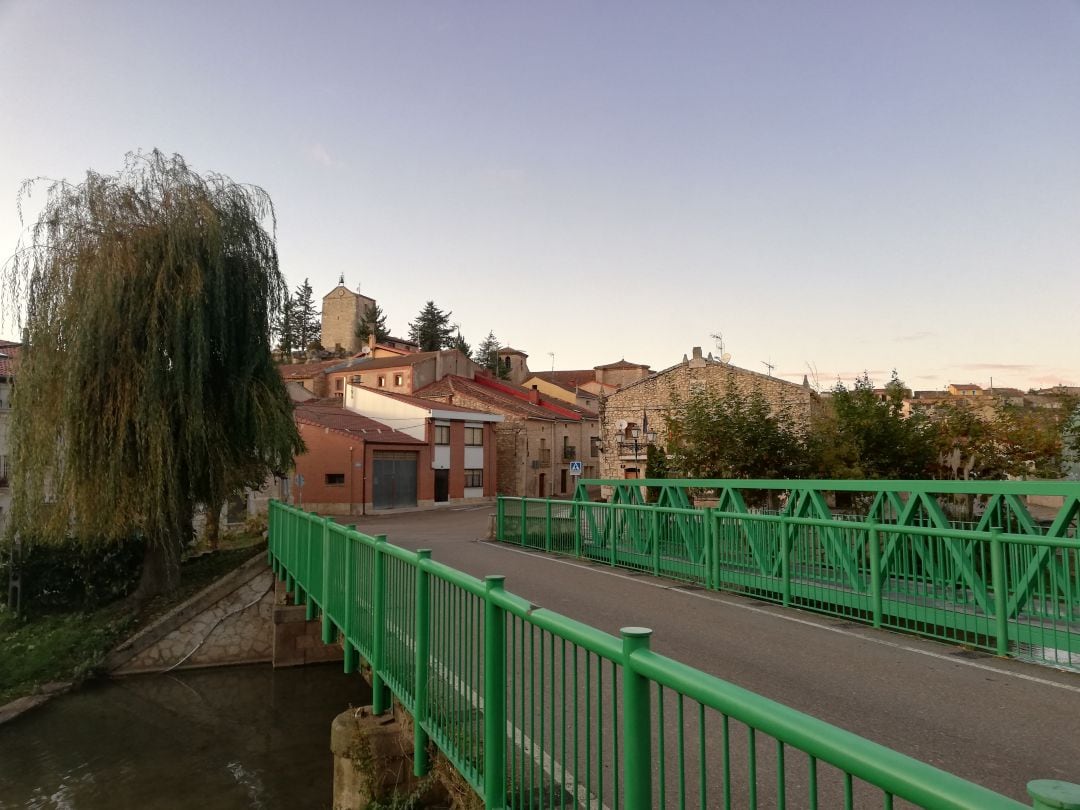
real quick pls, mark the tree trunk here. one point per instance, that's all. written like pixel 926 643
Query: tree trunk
pixel 213 525
pixel 160 571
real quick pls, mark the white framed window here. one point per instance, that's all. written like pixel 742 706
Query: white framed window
pixel 442 434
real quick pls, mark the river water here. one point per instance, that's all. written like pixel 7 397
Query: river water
pixel 234 737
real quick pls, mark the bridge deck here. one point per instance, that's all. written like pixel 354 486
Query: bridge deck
pixel 996 722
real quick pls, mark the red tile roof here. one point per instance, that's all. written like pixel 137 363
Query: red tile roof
pixel 499 396
pixel 304 371
pixel 365 363
pixel 9 357
pixel 567 379
pixel 422 402
pixel 334 417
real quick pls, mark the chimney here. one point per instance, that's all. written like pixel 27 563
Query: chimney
pixel 371 341
pixel 697 361
pixel 534 396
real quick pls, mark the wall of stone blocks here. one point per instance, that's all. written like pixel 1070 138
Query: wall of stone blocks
pixel 652 398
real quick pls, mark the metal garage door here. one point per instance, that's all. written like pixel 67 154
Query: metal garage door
pixel 395 480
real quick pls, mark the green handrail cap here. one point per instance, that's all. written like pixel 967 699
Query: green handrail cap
pixel 1052 793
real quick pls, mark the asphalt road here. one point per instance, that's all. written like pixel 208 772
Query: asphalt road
pixel 996 722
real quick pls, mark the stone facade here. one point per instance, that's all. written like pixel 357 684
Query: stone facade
pixel 651 399
pixel 341 310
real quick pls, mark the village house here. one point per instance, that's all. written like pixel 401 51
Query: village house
pixel 539 438
pixel 586 387
pixel 382 451
pixel 634 417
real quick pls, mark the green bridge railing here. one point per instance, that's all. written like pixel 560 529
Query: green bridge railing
pixel 912 558
pixel 537 710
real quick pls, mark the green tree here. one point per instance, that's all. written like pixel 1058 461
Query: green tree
pixel 733 434
pixel 656 466
pixel 373 319
pixel 487 355
pixel 284 326
pixel 460 344
pixel 864 434
pixel 307 322
pixel 146 384
pixel 432 329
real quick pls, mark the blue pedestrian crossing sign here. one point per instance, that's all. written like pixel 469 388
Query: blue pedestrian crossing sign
pixel 575 468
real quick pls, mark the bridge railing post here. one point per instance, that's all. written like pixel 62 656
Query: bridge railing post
pixel 329 631
pixel 379 700
pixel 494 695
pixel 654 529
pixel 873 538
pixel 422 664
pixel 785 560
pixel 637 723
pixel 309 600
pixel 1001 591
pixel 547 525
pixel 350 655
pixel 500 518
pixel 1050 794
pixel 575 510
pixel 524 515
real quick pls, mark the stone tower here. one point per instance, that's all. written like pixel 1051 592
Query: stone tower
pixel 516 364
pixel 341 311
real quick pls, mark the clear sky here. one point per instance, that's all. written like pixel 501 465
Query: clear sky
pixel 837 185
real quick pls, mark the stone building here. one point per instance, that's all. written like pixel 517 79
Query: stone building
pixel 585 387
pixel 643 406
pixel 341 311
pixel 538 439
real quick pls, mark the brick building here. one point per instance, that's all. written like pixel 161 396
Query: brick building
pixel 538 438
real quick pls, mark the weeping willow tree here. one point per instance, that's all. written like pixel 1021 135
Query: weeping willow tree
pixel 146 384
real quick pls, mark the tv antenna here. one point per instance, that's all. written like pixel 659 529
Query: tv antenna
pixel 768 365
pixel 719 338
pixel 552 356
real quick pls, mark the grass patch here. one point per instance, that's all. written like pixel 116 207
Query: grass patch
pixel 72 646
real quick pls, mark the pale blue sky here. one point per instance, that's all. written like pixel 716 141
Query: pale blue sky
pixel 844 185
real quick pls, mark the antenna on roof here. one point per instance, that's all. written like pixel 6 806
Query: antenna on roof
pixel 552 354
pixel 768 365
pixel 341 280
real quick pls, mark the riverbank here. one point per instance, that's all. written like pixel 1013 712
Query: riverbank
pixel 42 655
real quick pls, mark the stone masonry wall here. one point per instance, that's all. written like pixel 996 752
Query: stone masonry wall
pixel 211 629
pixel 652 397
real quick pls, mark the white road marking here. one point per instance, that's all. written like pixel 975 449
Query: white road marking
pixel 796 619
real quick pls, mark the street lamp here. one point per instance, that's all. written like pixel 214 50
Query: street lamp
pixel 635 434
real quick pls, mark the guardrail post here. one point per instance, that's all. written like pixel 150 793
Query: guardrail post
pixel 874 539
pixel 547 525
pixel 1001 594
pixel 379 701
pixel 637 723
pixel 1050 794
pixel 309 600
pixel 785 561
pixel 524 514
pixel 654 528
pixel 610 530
pixel 350 657
pixel 329 632
pixel 575 510
pixel 709 551
pixel 494 695
pixel 500 518
pixel 422 643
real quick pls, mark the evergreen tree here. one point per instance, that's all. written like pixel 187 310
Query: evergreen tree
pixel 487 355
pixel 432 329
pixel 146 382
pixel 373 319
pixel 284 326
pixel 306 318
pixel 460 344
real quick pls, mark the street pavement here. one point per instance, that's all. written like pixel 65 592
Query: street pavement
pixel 996 722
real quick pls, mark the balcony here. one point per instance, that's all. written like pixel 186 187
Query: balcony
pixel 569 452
